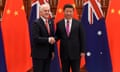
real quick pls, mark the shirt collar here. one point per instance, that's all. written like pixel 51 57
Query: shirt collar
pixel 43 19
pixel 70 21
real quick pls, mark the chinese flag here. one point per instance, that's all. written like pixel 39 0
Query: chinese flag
pixel 16 37
pixel 60 15
pixel 113 29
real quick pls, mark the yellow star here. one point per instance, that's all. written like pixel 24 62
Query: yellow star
pixel 16 13
pixel 8 11
pixel 74 5
pixel 112 11
pixel 119 12
pixel 59 10
pixel 22 8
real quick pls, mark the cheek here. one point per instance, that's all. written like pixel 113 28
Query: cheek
pixel 67 13
pixel 47 14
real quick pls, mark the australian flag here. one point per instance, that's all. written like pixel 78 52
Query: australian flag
pixel 97 49
pixel 55 67
pixel 2 55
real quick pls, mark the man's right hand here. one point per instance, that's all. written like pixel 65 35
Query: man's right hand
pixel 51 40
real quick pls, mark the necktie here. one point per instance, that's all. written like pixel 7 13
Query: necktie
pixel 67 28
pixel 47 26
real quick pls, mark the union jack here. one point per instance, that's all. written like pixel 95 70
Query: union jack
pixel 94 7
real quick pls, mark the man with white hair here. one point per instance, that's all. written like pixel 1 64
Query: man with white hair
pixel 42 41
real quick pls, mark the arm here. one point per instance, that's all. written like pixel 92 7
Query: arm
pixel 57 37
pixel 52 35
pixel 82 38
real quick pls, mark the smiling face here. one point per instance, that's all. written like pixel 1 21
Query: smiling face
pixel 68 13
pixel 45 11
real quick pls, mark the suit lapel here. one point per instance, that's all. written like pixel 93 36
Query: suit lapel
pixel 72 27
pixel 63 27
pixel 50 26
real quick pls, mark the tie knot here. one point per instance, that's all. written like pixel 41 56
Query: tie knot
pixel 67 21
pixel 46 20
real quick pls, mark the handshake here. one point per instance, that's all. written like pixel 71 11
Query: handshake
pixel 51 40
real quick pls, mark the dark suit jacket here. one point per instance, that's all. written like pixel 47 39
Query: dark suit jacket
pixel 72 46
pixel 41 48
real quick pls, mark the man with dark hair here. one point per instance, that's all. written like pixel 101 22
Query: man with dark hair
pixel 71 35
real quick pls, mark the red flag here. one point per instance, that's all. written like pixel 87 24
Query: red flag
pixel 16 37
pixel 60 15
pixel 113 29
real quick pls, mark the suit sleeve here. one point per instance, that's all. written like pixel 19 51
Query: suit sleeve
pixel 53 35
pixel 82 38
pixel 35 34
pixel 57 32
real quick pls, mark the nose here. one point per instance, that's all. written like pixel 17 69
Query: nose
pixel 69 13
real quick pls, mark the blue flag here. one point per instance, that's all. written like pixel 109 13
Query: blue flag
pixel 2 56
pixel 97 49
pixel 34 14
pixel 55 67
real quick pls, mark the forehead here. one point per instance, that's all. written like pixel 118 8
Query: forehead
pixel 46 8
pixel 68 9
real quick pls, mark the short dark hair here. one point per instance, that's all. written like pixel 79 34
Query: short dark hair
pixel 68 6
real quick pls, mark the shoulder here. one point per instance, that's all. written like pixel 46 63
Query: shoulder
pixel 60 22
pixel 37 20
pixel 76 22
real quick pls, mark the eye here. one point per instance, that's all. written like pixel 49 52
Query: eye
pixel 47 10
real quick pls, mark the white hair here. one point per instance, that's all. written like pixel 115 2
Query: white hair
pixel 44 5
